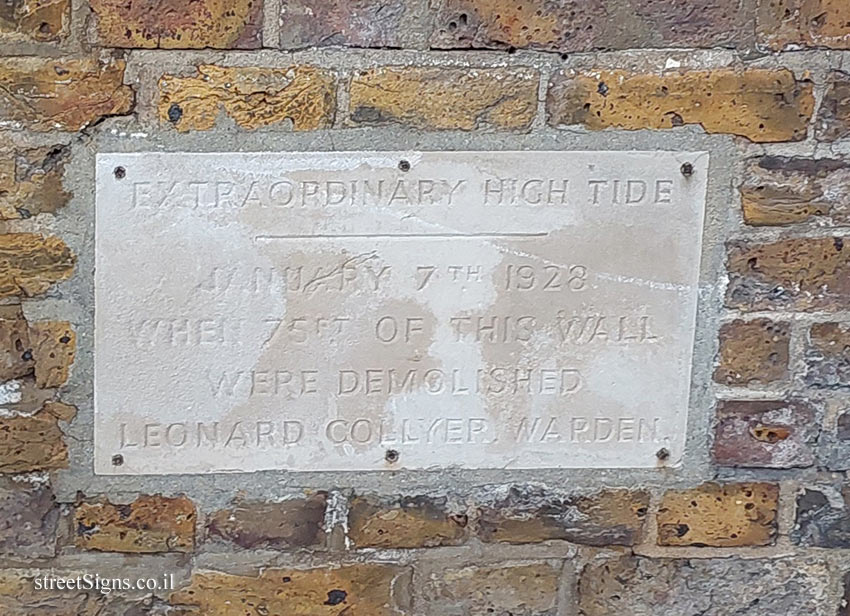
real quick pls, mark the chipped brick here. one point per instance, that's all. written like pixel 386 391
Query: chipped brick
pixel 765 433
pixel 252 97
pixel 147 525
pixel 789 274
pixel 529 515
pixel 779 191
pixel 44 94
pixel 761 105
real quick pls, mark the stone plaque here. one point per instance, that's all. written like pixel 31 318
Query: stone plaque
pixel 384 310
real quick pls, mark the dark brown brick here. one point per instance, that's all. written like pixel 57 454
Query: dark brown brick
pixel 752 352
pixel 789 274
pixel 828 356
pixel 810 23
pixel 409 522
pixel 731 515
pixel 530 515
pixel 759 104
pixel 38 20
pixel 179 24
pixel 780 191
pixel 823 518
pixel 354 23
pixel 63 94
pixel 833 121
pixel 290 523
pixel 147 525
pixel 28 519
pixel 572 25
pixel 765 433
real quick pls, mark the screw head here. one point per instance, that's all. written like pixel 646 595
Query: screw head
pixel 687 169
pixel 117 459
pixel 120 173
pixel 404 165
pixel 662 454
pixel 391 456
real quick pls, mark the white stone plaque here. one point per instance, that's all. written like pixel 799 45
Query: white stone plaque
pixel 343 311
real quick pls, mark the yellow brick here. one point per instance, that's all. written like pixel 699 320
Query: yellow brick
pixel 252 97
pixel 761 105
pixel 444 99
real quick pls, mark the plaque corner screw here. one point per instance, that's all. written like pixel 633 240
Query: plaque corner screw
pixel 404 165
pixel 662 454
pixel 687 169
pixel 391 456
pixel 117 459
pixel 120 173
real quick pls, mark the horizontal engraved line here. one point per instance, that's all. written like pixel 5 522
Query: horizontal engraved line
pixel 398 235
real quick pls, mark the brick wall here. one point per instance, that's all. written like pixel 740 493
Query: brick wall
pixel 756 522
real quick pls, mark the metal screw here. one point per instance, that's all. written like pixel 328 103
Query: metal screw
pixel 687 169
pixel 117 459
pixel 404 165
pixel 391 456
pixel 662 454
pixel 120 173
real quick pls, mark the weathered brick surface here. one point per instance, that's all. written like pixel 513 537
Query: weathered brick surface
pixel 834 441
pixel 410 522
pixel 352 590
pixel 147 525
pixel 610 517
pixel 19 597
pixel 34 442
pixel 38 20
pixel 53 346
pixel 355 23
pixel 823 518
pixel 15 349
pixel 63 94
pixel 444 98
pixel 523 589
pixel 179 24
pixel 31 182
pixel 290 523
pixel 765 433
pixel 716 515
pixel 761 105
pixel 828 356
pixel 833 121
pixel 596 24
pixel 811 23
pixel 710 587
pixel 752 352
pixel 28 519
pixel 30 263
pixel 250 97
pixel 793 273
pixel 779 191
pixel 44 349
